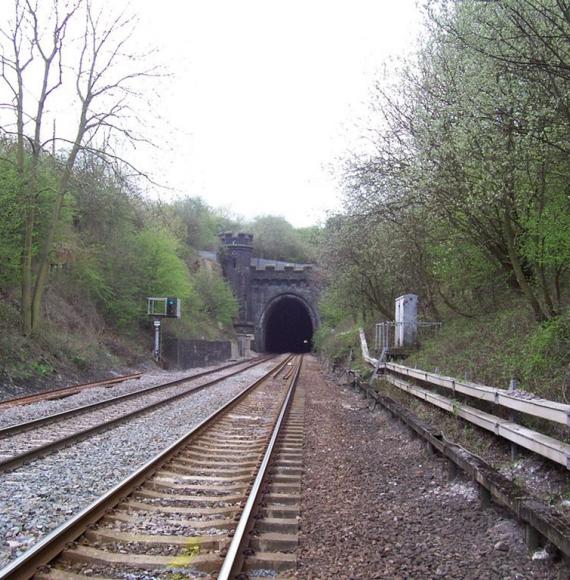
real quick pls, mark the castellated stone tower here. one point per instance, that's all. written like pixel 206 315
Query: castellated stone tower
pixel 277 300
pixel 235 257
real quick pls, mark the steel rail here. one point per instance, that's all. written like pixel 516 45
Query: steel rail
pixel 34 423
pixel 78 436
pixel 54 543
pixel 234 558
pixel 64 391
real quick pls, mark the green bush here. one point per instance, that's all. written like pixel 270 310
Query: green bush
pixel 547 350
pixel 217 297
pixel 336 345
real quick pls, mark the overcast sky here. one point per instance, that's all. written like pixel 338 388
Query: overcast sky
pixel 263 94
pixel 260 99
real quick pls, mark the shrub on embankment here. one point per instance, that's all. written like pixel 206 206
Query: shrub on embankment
pixel 113 249
pixel 497 346
pixel 491 349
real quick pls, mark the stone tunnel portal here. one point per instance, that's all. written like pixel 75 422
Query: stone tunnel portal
pixel 288 327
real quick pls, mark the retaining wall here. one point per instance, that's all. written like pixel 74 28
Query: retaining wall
pixel 186 354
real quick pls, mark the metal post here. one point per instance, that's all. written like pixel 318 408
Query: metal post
pixel 156 351
pixel 484 496
pixel 512 417
pixel 533 538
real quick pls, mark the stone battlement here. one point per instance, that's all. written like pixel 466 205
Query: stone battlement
pixel 236 239
pixel 262 265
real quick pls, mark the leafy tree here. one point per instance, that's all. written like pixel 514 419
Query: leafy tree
pixel 11 221
pixel 310 238
pixel 371 262
pixel 217 297
pixel 199 223
pixel 473 140
pixel 275 238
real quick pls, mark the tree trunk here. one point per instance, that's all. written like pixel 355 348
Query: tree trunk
pixel 523 283
pixel 43 261
pixel 29 212
pixel 27 278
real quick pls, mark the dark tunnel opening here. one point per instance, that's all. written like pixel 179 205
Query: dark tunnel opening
pixel 288 328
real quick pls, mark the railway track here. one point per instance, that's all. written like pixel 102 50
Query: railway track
pixel 270 540
pixel 63 392
pixel 39 437
pixel 198 509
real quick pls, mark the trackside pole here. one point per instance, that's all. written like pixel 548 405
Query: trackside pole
pixel 512 417
pixel 156 350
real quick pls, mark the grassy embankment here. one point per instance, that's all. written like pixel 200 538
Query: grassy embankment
pixel 76 342
pixel 489 349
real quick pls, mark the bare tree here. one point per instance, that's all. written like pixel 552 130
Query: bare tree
pixel 105 86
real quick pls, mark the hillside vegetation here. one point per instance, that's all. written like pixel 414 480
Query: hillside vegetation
pixel 463 197
pixel 112 250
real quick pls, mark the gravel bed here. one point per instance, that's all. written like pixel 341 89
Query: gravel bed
pixel 376 505
pixel 541 477
pixel 21 442
pixel 39 496
pixel 21 413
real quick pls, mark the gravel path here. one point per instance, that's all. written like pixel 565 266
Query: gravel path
pixel 376 505
pixel 39 496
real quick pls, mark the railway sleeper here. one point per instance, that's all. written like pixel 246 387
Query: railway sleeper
pixel 280 525
pixel 87 555
pixel 283 478
pixel 56 574
pixel 220 524
pixel 214 472
pixel 274 542
pixel 134 505
pixel 283 498
pixel 287 453
pixel 210 478
pixel 273 510
pixel 288 470
pixel 103 535
pixel 245 462
pixel 232 443
pixel 280 562
pixel 190 499
pixel 289 487
pixel 185 487
pixel 226 455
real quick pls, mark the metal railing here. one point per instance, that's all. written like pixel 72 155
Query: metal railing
pixel 390 334
pixel 535 441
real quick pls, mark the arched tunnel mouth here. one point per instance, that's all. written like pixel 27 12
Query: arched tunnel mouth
pixel 289 327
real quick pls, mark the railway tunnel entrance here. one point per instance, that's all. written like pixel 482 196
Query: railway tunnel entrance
pixel 288 327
